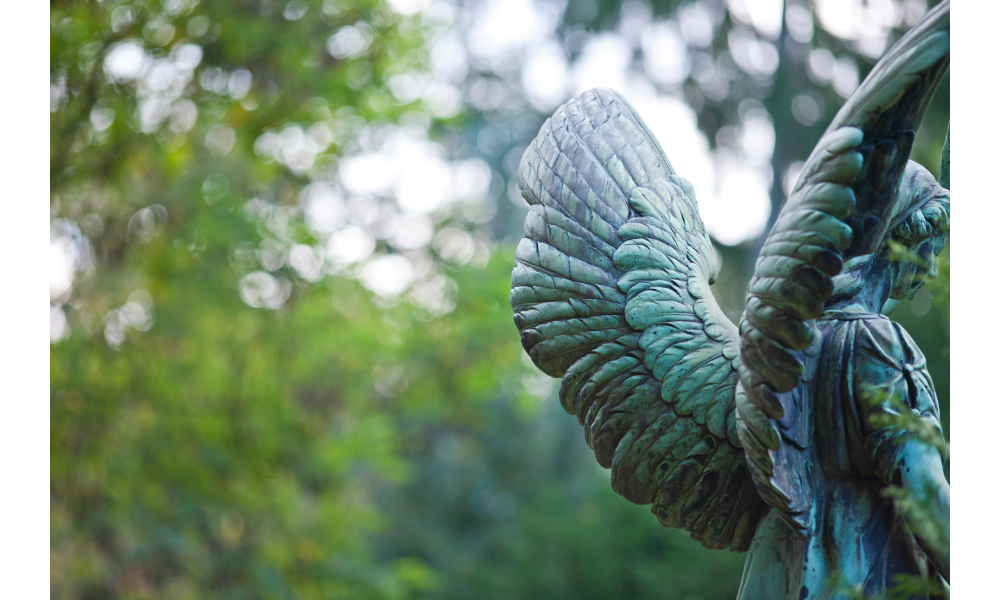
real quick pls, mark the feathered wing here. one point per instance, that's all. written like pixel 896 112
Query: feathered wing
pixel 611 292
pixel 840 209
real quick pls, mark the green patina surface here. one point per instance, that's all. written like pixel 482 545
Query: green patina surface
pixel 779 436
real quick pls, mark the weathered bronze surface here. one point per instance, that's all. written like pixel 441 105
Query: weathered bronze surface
pixel 768 437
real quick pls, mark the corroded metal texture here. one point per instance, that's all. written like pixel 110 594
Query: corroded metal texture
pixel 769 437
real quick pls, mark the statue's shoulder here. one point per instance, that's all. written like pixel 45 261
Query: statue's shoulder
pixel 875 334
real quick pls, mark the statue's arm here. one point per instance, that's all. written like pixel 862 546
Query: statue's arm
pixel 893 384
pixel 919 470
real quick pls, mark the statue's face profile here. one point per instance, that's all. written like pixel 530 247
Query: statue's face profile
pixel 910 272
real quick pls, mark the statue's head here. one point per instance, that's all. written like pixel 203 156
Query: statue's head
pixel 917 232
pixel 907 253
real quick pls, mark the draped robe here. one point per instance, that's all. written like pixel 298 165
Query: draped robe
pixel 867 366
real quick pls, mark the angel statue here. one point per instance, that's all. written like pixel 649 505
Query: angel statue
pixel 764 438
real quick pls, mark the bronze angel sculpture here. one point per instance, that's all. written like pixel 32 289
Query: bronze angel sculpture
pixel 762 437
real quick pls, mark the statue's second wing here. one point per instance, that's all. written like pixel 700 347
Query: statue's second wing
pixel 841 208
pixel 611 293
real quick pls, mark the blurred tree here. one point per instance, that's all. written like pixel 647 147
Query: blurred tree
pixel 283 363
pixel 213 414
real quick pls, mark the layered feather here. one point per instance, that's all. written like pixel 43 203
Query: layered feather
pixel 611 292
pixel 840 209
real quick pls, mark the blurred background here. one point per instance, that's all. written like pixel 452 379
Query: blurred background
pixel 283 361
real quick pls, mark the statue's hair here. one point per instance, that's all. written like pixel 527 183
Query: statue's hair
pixel 926 208
pixel 925 211
pixel 933 218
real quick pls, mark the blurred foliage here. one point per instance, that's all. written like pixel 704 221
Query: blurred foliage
pixel 328 443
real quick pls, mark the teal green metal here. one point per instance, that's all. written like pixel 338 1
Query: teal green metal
pixel 770 437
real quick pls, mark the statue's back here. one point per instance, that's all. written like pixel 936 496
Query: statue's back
pixel 757 437
pixel 867 366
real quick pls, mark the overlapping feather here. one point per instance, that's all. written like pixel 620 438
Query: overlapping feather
pixel 839 209
pixel 611 292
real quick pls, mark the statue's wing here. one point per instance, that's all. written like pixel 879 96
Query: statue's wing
pixel 611 292
pixel 945 179
pixel 840 209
